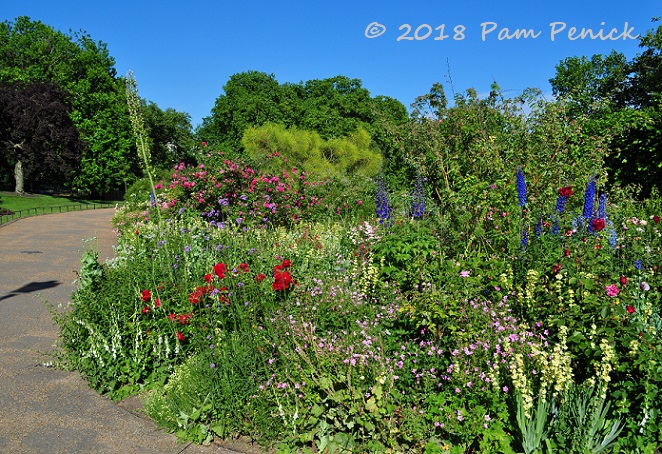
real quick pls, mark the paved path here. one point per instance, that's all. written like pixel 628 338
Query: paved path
pixel 43 409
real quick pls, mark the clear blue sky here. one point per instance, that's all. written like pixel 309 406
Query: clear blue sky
pixel 183 52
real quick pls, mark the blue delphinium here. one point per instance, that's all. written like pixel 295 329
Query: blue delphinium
pixel 418 198
pixel 637 264
pixel 613 239
pixel 602 206
pixel 589 197
pixel 524 239
pixel 539 226
pixel 383 203
pixel 521 188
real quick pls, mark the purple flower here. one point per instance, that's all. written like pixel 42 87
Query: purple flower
pixel 521 188
pixel 589 196
pixel 418 204
pixel 383 203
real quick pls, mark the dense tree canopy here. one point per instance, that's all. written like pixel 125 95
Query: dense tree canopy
pixel 37 136
pixel 621 99
pixel 33 51
pixel 83 68
pixel 171 135
pixel 334 107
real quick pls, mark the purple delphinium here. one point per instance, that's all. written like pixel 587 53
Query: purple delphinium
pixel 383 203
pixel 521 188
pixel 524 240
pixel 539 226
pixel 589 196
pixel 418 196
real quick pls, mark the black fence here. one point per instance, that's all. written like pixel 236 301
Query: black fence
pixel 5 218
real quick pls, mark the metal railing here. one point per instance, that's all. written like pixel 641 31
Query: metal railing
pixel 5 218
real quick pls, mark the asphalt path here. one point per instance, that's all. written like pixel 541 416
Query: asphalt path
pixel 44 409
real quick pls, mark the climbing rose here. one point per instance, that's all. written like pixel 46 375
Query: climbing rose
pixel 598 224
pixel 565 191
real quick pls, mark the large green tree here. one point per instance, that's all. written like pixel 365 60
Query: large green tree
pixel 171 135
pixel 334 107
pixel 621 99
pixel 32 51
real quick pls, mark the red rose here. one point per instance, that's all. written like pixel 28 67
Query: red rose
pixel 286 264
pixel 656 219
pixel 208 277
pixel 565 191
pixel 146 295
pixel 630 309
pixel 598 224
pixel 282 280
pixel 260 277
pixel 219 270
pixel 145 309
pixel 624 280
pixel 244 267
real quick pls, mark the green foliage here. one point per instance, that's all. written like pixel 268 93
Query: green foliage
pixel 273 147
pixel 621 100
pixel 409 254
pixel 85 70
pixel 170 134
pixel 334 108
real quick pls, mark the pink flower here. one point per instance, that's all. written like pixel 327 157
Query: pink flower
pixel 465 274
pixel 612 290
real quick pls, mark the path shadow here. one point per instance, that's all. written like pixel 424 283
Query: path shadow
pixel 31 287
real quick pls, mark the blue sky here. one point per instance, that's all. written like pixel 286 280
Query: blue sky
pixel 182 53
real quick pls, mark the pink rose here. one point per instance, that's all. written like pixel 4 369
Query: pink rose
pixel 612 290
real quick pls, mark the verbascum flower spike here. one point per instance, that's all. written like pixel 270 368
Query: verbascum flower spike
pixel 521 188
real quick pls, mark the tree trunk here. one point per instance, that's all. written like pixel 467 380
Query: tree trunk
pixel 18 176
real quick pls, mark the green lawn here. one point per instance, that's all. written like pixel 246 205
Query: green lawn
pixel 42 204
